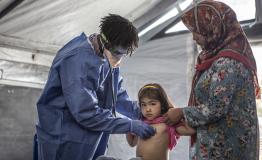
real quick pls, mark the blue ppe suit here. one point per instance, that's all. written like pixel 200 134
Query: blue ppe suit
pixel 75 107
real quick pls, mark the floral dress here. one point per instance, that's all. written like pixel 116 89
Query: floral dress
pixel 225 116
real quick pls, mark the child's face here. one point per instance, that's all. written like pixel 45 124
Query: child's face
pixel 151 108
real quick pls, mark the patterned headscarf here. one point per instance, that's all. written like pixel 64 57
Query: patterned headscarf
pixel 218 24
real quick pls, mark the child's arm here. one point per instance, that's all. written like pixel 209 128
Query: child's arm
pixel 131 139
pixel 185 130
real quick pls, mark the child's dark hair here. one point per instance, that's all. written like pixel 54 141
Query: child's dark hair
pixel 155 91
pixel 119 31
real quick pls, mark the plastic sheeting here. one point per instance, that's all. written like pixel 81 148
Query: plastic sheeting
pixel 23 66
pixel 166 61
pixel 17 121
pixel 55 22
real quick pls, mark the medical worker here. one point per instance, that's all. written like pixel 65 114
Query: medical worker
pixel 77 107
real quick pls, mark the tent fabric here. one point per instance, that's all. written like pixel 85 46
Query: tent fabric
pixel 56 22
pixel 33 31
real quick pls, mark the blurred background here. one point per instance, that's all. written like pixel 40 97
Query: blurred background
pixel 31 32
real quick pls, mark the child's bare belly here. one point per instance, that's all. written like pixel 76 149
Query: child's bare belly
pixel 156 147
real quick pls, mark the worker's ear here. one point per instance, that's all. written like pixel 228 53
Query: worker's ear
pixel 105 41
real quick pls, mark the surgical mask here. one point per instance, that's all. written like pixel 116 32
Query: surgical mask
pixel 113 60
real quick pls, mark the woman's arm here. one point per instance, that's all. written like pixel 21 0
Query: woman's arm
pixel 225 75
pixel 131 139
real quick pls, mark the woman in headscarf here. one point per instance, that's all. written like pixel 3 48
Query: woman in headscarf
pixel 222 104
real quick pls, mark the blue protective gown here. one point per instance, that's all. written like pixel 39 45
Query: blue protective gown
pixel 75 108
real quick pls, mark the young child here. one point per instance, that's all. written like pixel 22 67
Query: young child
pixel 154 102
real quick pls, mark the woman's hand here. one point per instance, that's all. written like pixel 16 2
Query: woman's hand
pixel 173 116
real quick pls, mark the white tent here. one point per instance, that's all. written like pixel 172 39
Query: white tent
pixel 31 31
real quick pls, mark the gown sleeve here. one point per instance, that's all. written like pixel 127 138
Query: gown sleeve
pixel 79 74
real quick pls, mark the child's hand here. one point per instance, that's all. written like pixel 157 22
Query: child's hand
pixel 130 134
pixel 131 139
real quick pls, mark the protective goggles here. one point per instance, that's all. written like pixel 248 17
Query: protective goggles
pixel 116 51
pixel 119 51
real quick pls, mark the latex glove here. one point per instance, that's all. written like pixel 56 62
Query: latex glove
pixel 173 116
pixel 141 129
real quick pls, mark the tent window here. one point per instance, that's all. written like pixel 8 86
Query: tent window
pixel 161 20
pixel 245 10
pixel 239 6
pixel 177 28
pixel 184 4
